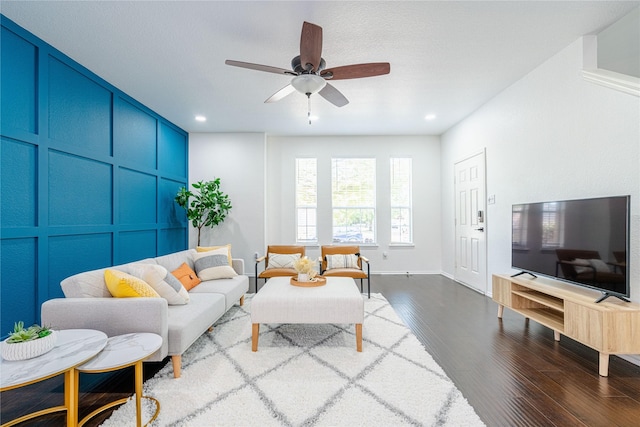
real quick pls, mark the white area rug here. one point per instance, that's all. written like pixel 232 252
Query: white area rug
pixel 305 375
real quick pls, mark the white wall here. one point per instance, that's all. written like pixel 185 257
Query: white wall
pixel 550 136
pixel 423 257
pixel 239 161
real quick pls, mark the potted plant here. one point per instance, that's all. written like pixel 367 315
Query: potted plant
pixel 206 205
pixel 26 343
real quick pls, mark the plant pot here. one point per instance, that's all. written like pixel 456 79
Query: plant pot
pixel 302 277
pixel 28 349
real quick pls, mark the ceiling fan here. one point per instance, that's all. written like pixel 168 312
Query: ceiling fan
pixel 310 74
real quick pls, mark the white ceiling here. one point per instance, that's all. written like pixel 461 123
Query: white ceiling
pixel 447 57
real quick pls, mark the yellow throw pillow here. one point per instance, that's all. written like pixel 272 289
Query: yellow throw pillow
pixel 213 248
pixel 123 285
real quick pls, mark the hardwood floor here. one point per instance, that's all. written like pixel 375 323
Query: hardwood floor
pixel 511 370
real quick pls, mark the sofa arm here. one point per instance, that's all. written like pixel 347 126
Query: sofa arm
pixel 113 316
pixel 238 265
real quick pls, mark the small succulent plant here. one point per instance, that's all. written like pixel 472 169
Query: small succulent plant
pixel 22 334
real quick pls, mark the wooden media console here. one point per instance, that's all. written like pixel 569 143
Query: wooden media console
pixel 609 327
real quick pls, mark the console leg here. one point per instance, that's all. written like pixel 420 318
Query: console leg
pixel 556 335
pixel 500 311
pixel 604 365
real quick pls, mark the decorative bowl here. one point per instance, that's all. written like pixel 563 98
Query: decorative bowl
pixel 28 349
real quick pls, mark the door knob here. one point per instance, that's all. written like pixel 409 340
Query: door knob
pixel 480 229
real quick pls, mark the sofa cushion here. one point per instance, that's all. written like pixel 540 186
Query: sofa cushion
pixel 174 260
pixel 233 289
pixel 163 282
pixel 187 322
pixel 123 285
pixel 213 248
pixel 186 276
pixel 212 265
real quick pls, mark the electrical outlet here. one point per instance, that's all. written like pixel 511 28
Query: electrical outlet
pixel 385 255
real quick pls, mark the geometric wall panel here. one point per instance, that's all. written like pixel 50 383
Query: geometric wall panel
pixel 73 254
pixel 80 190
pixel 81 182
pixel 170 213
pixel 18 290
pixel 136 245
pixel 18 73
pixel 137 197
pixel 170 239
pixel 173 149
pixel 79 110
pixel 18 178
pixel 134 136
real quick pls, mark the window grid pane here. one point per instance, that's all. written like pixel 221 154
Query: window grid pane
pixel 401 201
pixel 353 189
pixel 306 200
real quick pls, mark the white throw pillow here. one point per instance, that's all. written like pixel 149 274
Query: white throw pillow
pixel 212 265
pixel 162 281
pixel 282 260
pixel 342 261
pixel 600 265
pixel 581 265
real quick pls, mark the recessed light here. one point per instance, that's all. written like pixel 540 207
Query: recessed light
pixel 201 119
pixel 430 117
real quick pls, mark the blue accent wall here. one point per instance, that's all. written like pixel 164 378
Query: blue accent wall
pixel 87 175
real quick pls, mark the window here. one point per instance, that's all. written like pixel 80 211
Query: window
pixel 552 225
pixel 353 198
pixel 401 218
pixel 306 200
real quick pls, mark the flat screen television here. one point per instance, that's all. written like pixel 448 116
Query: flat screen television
pixel 584 242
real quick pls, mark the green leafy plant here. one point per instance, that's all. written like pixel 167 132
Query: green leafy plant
pixel 206 206
pixel 22 334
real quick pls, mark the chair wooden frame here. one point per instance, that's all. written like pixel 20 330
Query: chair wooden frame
pixel 354 273
pixel 267 273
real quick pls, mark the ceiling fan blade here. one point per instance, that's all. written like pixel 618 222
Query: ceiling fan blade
pixel 333 95
pixel 357 71
pixel 259 67
pixel 287 90
pixel 311 46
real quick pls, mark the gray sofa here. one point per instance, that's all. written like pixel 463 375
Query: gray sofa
pixel 89 305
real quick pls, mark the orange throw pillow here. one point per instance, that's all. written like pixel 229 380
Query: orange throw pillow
pixel 186 276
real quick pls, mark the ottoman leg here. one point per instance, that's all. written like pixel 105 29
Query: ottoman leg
pixel 255 332
pixel 358 337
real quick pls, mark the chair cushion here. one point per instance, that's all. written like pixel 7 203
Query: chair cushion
pixel 282 260
pixel 342 261
pixel 354 273
pixel 277 272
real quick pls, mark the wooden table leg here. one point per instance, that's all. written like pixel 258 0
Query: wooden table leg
pixel 556 335
pixel 359 337
pixel 71 385
pixel 138 387
pixel 604 365
pixel 255 332
pixel 500 311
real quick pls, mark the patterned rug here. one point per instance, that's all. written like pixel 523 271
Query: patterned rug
pixel 305 375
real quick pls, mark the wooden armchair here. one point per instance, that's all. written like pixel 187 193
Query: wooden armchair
pixel 279 265
pixel 345 261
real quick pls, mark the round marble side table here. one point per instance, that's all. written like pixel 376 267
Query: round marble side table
pixel 120 352
pixel 73 347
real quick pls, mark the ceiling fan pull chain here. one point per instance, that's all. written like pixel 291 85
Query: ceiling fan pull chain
pixel 309 107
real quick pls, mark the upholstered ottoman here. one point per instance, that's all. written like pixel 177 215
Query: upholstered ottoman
pixel 339 301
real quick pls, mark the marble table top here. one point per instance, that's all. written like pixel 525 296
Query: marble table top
pixel 123 350
pixel 73 347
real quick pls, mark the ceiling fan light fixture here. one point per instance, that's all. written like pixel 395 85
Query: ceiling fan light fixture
pixel 308 83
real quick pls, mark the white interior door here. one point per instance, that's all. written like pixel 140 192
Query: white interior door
pixel 471 242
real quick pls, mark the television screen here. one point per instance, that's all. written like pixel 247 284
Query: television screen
pixel 584 242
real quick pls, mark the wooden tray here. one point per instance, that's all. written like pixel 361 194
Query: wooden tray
pixel 319 281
